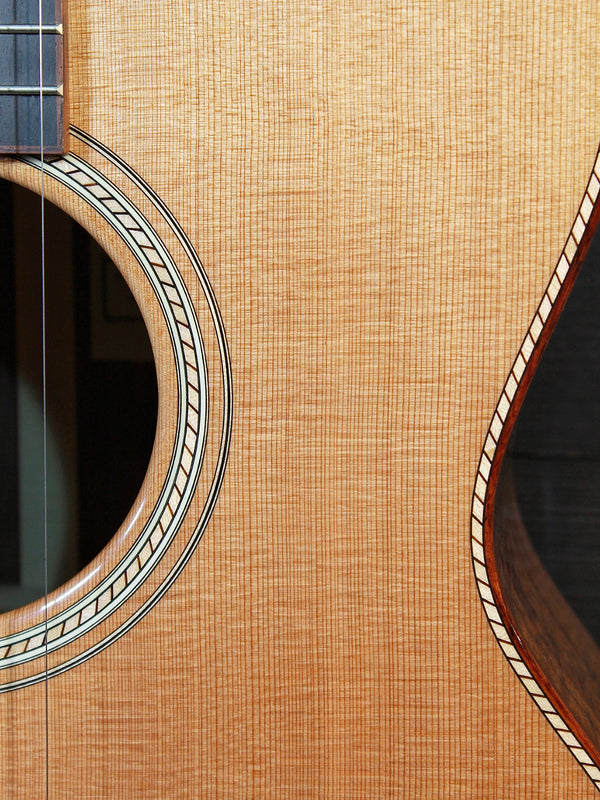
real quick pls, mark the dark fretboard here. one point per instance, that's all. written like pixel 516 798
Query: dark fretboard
pixel 25 100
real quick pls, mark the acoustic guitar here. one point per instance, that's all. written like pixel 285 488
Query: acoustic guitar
pixel 350 228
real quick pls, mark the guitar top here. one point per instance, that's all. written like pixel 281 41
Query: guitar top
pixel 339 221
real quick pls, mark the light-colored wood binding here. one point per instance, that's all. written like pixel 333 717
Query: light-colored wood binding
pixel 379 195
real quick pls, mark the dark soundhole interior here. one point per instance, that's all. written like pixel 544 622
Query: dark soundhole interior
pixel 101 398
pixel 555 450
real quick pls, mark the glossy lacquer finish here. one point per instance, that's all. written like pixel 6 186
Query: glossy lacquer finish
pixel 339 221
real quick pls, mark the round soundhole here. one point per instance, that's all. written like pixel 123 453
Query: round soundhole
pixel 71 464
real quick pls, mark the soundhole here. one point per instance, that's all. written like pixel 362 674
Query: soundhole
pixel 546 515
pixel 101 399
pixel 555 450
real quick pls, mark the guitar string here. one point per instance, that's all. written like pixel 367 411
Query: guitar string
pixel 44 398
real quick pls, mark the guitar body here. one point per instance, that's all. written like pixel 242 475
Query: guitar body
pixel 378 194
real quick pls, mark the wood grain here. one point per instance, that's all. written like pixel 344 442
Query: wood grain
pixel 379 194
